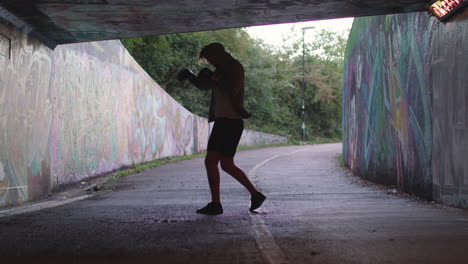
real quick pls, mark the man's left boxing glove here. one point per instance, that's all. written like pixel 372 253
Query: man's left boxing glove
pixel 186 74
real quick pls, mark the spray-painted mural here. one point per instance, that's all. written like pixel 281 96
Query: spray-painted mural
pixel 450 117
pixel 387 110
pixel 404 104
pixel 25 119
pixel 108 112
pixel 80 111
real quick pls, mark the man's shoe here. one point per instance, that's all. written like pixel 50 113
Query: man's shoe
pixel 256 201
pixel 211 209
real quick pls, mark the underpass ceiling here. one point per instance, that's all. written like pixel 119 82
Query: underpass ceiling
pixel 70 21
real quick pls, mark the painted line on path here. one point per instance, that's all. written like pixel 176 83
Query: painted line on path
pixel 269 250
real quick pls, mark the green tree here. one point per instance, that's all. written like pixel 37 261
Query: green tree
pixel 324 60
pixel 273 77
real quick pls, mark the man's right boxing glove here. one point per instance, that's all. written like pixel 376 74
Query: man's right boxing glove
pixel 205 74
pixel 204 79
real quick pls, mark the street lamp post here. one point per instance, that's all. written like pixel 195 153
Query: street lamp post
pixel 303 127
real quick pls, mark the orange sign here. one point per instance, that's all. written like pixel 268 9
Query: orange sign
pixel 443 9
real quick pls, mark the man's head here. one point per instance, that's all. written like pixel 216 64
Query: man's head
pixel 214 53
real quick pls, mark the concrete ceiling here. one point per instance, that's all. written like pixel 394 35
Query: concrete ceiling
pixel 69 21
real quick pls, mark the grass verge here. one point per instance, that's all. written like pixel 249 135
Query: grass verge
pixel 341 161
pixel 141 167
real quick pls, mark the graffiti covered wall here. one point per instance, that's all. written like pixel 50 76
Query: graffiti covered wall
pixel 108 112
pixel 404 104
pixel 450 117
pixel 387 106
pixel 80 111
pixel 25 117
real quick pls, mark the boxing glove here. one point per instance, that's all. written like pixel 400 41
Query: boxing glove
pixel 186 74
pixel 205 74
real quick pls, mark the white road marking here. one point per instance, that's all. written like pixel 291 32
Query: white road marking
pixel 267 246
pixel 270 251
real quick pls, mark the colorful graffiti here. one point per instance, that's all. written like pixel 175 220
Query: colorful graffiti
pixel 80 111
pixel 25 119
pixel 109 113
pixel 386 102
pixel 450 128
pixel 404 104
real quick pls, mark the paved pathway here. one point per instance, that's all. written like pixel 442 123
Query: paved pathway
pixel 315 213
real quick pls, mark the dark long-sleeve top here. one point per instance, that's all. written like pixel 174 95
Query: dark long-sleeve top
pixel 227 85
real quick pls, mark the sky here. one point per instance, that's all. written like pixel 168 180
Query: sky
pixel 273 34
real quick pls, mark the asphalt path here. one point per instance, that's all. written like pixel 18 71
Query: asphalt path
pixel 315 212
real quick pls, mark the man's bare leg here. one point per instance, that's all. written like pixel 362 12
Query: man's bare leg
pixel 257 198
pixel 211 163
pixel 212 159
pixel 227 164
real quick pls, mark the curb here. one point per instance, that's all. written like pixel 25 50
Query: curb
pixel 40 206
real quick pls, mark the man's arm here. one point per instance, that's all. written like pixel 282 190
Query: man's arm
pixel 203 81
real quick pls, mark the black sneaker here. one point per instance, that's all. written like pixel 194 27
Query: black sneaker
pixel 256 201
pixel 211 209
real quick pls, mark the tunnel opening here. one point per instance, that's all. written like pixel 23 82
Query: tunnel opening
pixel 286 73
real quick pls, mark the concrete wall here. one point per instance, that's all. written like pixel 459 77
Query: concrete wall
pixel 404 94
pixel 449 119
pixel 80 111
pixel 255 138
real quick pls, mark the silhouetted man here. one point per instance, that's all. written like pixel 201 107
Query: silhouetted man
pixel 227 111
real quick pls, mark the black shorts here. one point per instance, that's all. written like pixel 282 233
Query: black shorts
pixel 226 135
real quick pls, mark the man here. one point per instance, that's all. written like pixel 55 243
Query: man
pixel 227 111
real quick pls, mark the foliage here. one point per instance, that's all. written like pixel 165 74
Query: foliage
pixel 341 161
pixel 273 77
